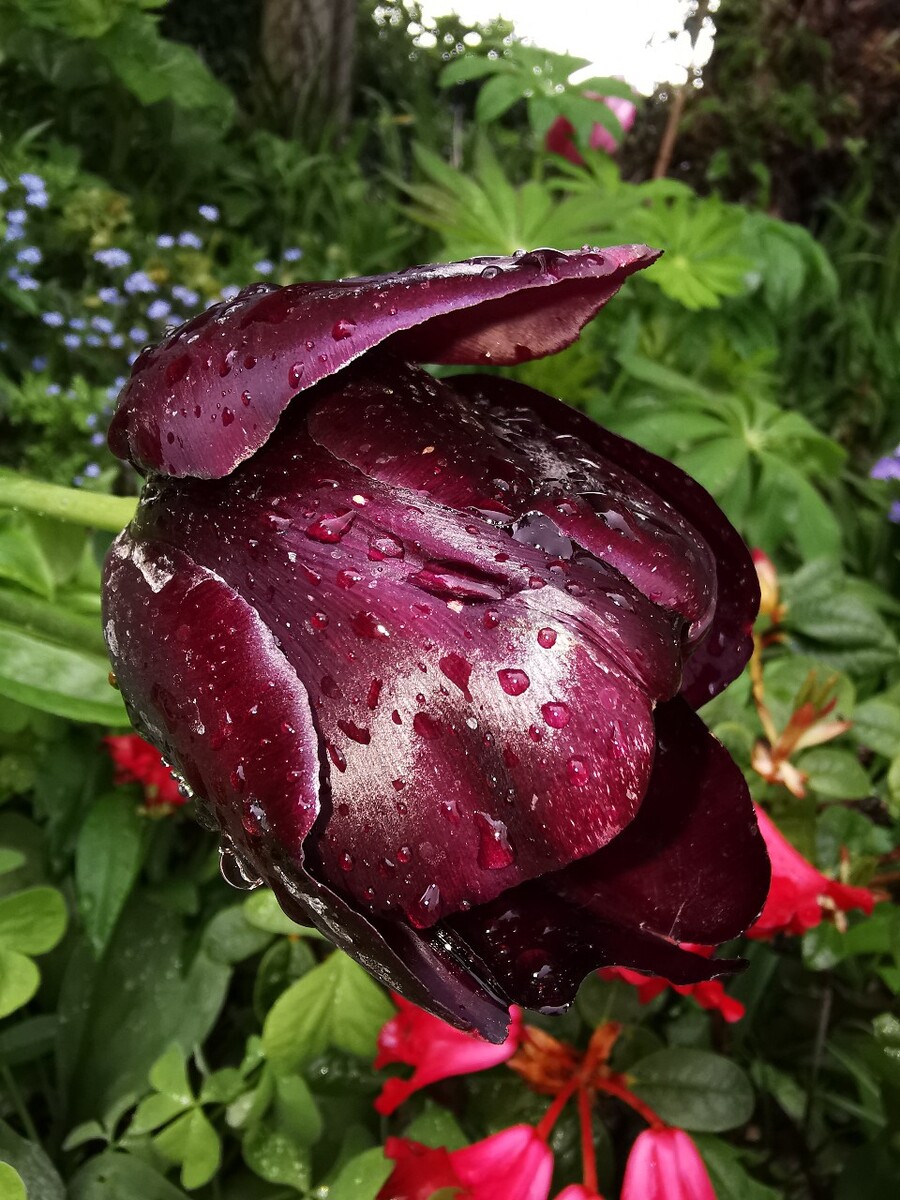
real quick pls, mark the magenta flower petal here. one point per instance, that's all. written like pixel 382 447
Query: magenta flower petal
pixel 664 1164
pixel 436 1051
pixel 514 1164
pixel 210 394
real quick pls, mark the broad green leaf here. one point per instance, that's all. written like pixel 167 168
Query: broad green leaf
pixel 10 860
pixel 155 1111
pixel 21 558
pixel 68 683
pixel 362 1177
pixel 727 1172
pixel 108 857
pixel 471 66
pixel 694 1089
pixel 835 774
pixel 169 1076
pixel 19 980
pixel 275 1156
pixel 230 937
pixel 336 1004
pixel 264 912
pixel 436 1126
pixel 115 1176
pixel 11 1185
pixel 193 1142
pixel 716 462
pixel 41 1179
pixel 876 725
pixel 222 1087
pixel 32 921
pixel 296 1111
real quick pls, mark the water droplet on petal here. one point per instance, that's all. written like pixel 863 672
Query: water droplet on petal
pixel 357 732
pixel 458 671
pixel 236 871
pixel 332 528
pixel 494 849
pixel 513 681
pixel 426 727
pixel 227 417
pixel 556 714
pixel 342 329
pixel 295 374
pixel 546 638
pixel 577 771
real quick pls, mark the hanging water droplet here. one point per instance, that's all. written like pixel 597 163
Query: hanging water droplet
pixel 236 871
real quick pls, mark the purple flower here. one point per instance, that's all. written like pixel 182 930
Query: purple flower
pixel 26 283
pixel 229 292
pixel 264 266
pixel 92 470
pixel 110 295
pixel 71 341
pixel 93 340
pixel 102 324
pixel 158 309
pixel 208 212
pixel 165 241
pixel 39 363
pixel 116 341
pixel 53 319
pixel 32 182
pixel 887 467
pixel 137 334
pixel 78 323
pixel 53 389
pixel 894 512
pixel 138 282
pixel 13 233
pixel 37 199
pixel 186 295
pixel 4 186
pixel 17 216
pixel 30 255
pixel 90 420
pixel 292 254
pixel 98 439
pixel 469 627
pixel 112 257
pixel 190 241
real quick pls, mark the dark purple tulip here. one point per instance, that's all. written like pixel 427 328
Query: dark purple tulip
pixel 428 651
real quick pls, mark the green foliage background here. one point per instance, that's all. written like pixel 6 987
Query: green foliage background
pixel 161 1036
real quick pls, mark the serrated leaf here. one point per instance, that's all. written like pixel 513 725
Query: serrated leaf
pixel 694 1089
pixel 336 1004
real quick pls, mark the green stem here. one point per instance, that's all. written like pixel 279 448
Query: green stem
pixel 19 1105
pixel 80 507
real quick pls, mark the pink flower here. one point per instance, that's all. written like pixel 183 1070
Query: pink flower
pixel 559 138
pixel 515 1164
pixel 664 1164
pixel 436 1050
pixel 799 895
pixel 577 1191
pixel 709 994
pixel 136 761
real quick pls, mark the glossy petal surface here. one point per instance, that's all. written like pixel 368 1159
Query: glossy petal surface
pixel 691 867
pixel 724 643
pixel 211 394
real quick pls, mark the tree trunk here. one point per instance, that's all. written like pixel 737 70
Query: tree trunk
pixel 307 47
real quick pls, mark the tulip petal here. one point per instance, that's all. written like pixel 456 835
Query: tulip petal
pixel 691 867
pixel 439 710
pixel 203 676
pixel 727 643
pixel 210 394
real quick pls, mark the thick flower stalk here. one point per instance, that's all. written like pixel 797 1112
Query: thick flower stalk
pixel 428 651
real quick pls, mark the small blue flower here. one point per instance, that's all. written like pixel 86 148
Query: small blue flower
pixel 97 439
pixel 137 282
pixel 31 182
pixel 71 341
pixel 78 323
pixel 39 363
pixel 165 241
pixel 887 467
pixel 894 512
pixel 229 292
pixel 116 341
pixel 102 324
pixel 158 309
pixel 90 420
pixel 208 212
pixel 175 321
pixel 112 257
pixel 190 241
pixel 37 199
pixel 53 319
pixel 138 335
pixel 292 254
pixel 110 295
pixel 93 339
pixel 30 255
pixel 77 480
pixel 27 283
pixel 264 266
pixel 92 470
pixel 13 233
pixel 119 382
pixel 4 186
pixel 186 295
pixel 53 389
pixel 17 216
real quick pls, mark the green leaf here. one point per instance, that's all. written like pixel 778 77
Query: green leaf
pixel 108 857
pixel 67 683
pixel 19 980
pixel 21 558
pixel 32 921
pixel 876 725
pixel 726 1171
pixel 153 1112
pixel 273 1155
pixel 264 912
pixel 11 1185
pixel 835 774
pixel 716 462
pixel 116 1176
pixel 42 1182
pixel 336 1004
pixel 222 1087
pixel 471 66
pixel 362 1177
pixel 497 96
pixel 694 1089
pixel 193 1142
pixel 169 1076
pixel 10 860
pixel 436 1126
pixel 296 1111
pixel 230 937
